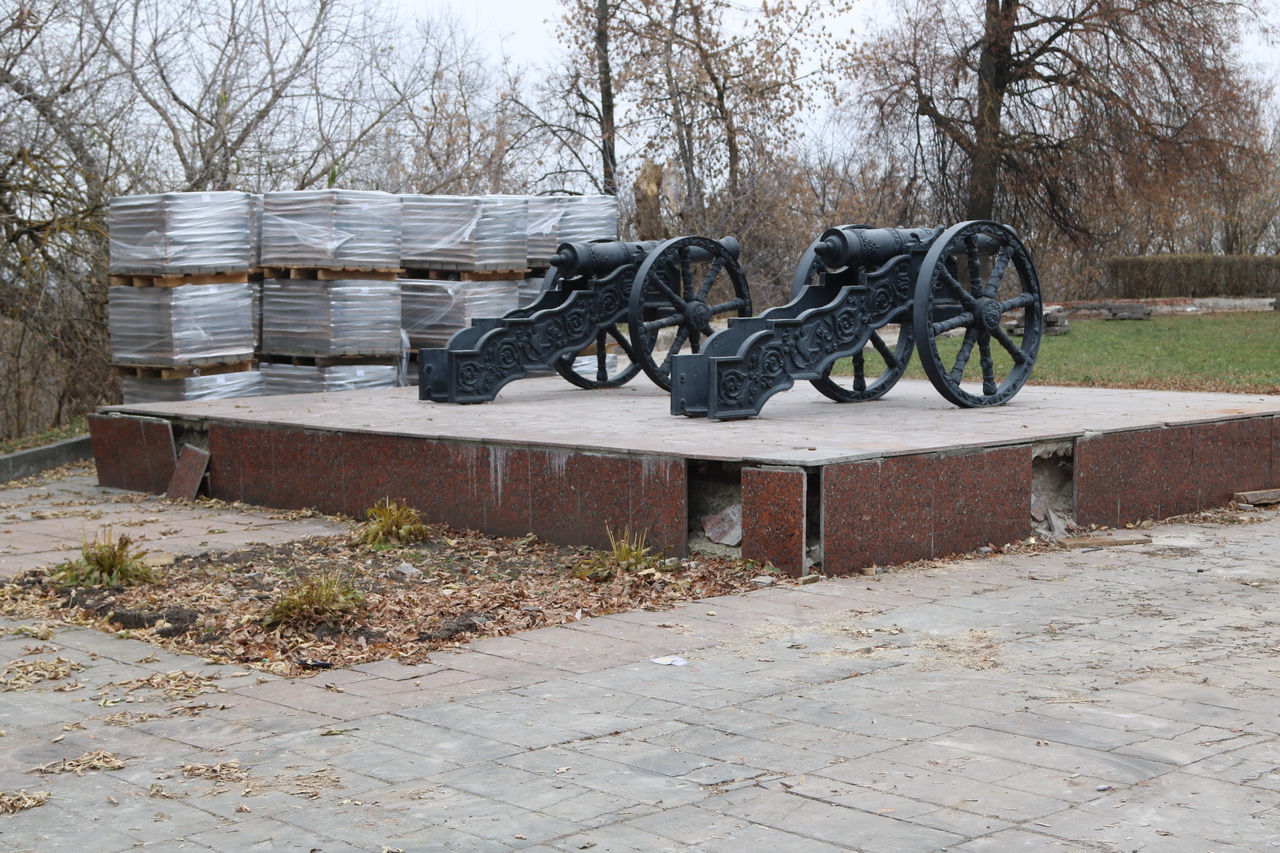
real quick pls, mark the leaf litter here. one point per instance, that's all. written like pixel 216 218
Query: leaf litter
pixel 463 585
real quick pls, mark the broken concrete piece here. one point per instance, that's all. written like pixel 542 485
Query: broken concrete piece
pixel 724 527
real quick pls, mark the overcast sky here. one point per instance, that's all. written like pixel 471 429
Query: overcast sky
pixel 520 28
pixel 523 29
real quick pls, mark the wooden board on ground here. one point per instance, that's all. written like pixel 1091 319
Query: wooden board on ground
pixel 1258 498
pixel 1105 540
pixel 332 273
pixel 181 371
pixel 179 279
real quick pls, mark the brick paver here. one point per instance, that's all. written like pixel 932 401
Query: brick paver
pixel 1117 699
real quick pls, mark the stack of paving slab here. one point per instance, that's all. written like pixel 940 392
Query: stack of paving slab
pixel 568 219
pixel 467 233
pixel 180 311
pixel 432 311
pixel 331 301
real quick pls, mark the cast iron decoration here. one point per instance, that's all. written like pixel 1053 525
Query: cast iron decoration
pixel 948 291
pixel 593 289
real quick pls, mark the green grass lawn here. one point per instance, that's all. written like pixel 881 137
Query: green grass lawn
pixel 1211 352
pixel 1208 352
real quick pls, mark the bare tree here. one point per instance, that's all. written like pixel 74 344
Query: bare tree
pixel 58 117
pixel 1021 104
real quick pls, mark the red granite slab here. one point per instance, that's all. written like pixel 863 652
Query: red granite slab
pixel 276 467
pixel 903 508
pixel 579 498
pixel 188 476
pixel 133 452
pixel 982 499
pixel 1230 457
pixel 774 517
pixel 1125 477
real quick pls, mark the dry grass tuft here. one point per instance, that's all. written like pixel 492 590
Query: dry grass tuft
pixel 12 802
pixel 97 760
pixel 106 561
pixel 327 597
pixel 391 523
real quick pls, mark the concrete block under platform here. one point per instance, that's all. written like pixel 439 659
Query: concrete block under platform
pixel 903 478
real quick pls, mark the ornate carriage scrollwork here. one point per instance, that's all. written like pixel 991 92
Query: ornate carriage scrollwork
pixel 870 296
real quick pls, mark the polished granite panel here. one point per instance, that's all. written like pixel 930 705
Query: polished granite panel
pixel 774 517
pixel 133 452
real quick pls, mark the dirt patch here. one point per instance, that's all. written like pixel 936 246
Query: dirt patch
pixel 453 587
pixel 975 649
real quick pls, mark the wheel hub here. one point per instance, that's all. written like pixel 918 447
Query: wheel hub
pixel 698 315
pixel 988 312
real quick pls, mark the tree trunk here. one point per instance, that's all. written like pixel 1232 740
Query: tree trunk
pixel 608 130
pixel 993 79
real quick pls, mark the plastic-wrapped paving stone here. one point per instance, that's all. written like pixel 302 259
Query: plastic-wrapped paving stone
pixel 181 325
pixel 338 229
pixel 222 386
pixel 181 233
pixel 330 318
pixel 432 311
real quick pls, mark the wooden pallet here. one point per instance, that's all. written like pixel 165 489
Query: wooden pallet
pixel 331 273
pixel 181 371
pixel 179 279
pixel 384 360
pixel 441 274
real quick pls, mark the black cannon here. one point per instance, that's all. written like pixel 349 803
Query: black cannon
pixel 872 295
pixel 595 289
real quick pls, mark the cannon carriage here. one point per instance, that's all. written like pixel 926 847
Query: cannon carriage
pixel 627 307
pixel 874 296
pixel 868 296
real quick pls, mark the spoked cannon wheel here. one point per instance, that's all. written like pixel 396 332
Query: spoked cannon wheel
pixel 976 277
pixel 599 373
pixel 596 370
pixel 874 372
pixel 685 285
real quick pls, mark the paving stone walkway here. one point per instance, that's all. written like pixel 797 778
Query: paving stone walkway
pixel 45 520
pixel 1120 699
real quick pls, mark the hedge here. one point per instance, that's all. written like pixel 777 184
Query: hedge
pixel 1160 276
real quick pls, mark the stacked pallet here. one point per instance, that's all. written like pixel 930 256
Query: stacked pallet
pixel 568 219
pixel 181 302
pixel 464 233
pixel 330 299
pixel 432 310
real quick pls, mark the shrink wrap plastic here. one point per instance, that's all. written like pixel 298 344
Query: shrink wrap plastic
pixel 529 290
pixel 544 227
pixel 173 233
pixel 296 379
pixel 589 217
pixel 431 311
pixel 224 385
pixel 181 325
pixel 465 231
pixel 569 219
pixel 348 317
pixel 346 229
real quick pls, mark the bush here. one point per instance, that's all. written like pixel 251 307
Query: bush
pixel 324 597
pixel 390 523
pixel 1163 276
pixel 109 562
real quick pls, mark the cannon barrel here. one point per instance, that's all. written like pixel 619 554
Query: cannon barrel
pixel 854 245
pixel 600 258
pixel 859 246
